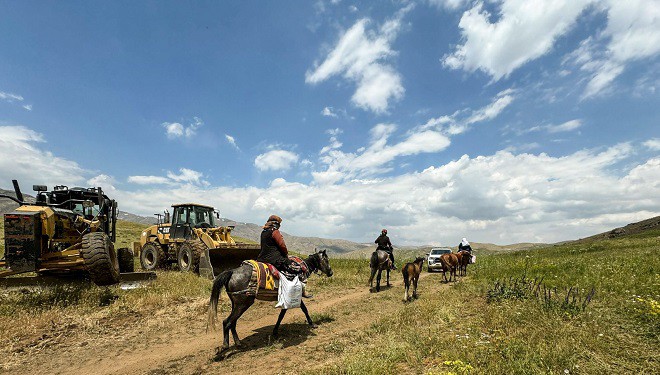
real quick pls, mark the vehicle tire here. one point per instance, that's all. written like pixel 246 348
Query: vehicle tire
pixel 152 256
pixel 100 258
pixel 189 254
pixel 125 258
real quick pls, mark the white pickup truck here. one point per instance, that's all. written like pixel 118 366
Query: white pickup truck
pixel 433 258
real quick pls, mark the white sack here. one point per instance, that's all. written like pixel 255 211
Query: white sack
pixel 289 293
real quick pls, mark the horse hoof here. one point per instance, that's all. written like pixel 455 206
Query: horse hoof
pixel 220 353
pixel 313 326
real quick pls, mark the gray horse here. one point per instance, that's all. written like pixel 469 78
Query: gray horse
pixel 236 281
pixel 380 261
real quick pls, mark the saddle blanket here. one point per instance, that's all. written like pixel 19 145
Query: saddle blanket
pixel 265 277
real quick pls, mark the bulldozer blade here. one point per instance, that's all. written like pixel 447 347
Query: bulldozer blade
pixel 205 267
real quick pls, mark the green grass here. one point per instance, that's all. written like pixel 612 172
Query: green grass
pixel 449 329
pixel 459 332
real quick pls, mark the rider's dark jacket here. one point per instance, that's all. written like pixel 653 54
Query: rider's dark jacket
pixel 273 249
pixel 383 242
pixel 466 247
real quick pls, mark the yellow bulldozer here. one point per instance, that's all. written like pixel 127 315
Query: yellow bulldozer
pixel 193 241
pixel 64 232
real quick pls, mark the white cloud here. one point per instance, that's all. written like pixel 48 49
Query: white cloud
pixel 148 180
pixel 633 30
pixel 185 176
pixel 524 31
pixel 327 112
pixel 231 141
pixel 23 158
pixel 653 144
pixel 9 97
pixel 458 122
pixel 175 130
pixel 448 4
pixel 501 198
pixel 104 181
pixel 275 160
pixel 564 127
pixel 361 56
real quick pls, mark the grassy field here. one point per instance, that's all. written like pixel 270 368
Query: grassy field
pixel 490 322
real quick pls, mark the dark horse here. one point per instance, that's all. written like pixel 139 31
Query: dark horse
pixel 411 273
pixel 380 260
pixel 463 261
pixel 236 281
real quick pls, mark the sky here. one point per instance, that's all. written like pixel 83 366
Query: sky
pixel 502 121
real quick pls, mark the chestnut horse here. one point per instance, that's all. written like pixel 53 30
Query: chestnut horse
pixel 449 263
pixel 411 273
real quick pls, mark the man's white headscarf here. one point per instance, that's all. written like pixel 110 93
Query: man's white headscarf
pixel 465 242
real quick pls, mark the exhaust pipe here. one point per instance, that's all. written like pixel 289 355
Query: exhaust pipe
pixel 17 190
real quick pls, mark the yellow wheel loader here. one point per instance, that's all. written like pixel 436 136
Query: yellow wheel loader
pixel 66 231
pixel 192 241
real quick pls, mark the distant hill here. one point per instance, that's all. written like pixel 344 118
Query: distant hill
pixel 628 230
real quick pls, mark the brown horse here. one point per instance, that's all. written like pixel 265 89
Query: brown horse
pixel 380 261
pixel 411 273
pixel 463 261
pixel 449 263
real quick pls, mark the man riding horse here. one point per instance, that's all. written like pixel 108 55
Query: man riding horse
pixel 384 244
pixel 274 251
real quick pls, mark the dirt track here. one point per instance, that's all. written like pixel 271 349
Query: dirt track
pixel 176 342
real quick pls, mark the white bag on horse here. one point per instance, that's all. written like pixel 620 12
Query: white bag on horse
pixel 289 293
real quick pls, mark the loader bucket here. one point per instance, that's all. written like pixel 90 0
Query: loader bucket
pixel 205 268
pixel 224 258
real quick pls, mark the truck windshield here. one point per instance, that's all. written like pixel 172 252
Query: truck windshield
pixel 440 251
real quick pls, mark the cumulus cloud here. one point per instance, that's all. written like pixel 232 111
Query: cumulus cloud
pixel 174 130
pixel 22 157
pixel 361 56
pixel 275 160
pixel 524 31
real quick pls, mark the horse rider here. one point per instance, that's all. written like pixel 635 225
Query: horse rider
pixel 274 251
pixel 384 244
pixel 465 246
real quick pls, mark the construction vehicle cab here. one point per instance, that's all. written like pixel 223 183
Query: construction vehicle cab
pixel 193 241
pixel 186 217
pixel 65 231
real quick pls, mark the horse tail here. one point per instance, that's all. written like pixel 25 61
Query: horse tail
pixel 221 281
pixel 373 262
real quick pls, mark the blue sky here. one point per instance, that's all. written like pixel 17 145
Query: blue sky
pixel 503 121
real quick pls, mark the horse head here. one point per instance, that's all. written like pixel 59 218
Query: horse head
pixel 322 263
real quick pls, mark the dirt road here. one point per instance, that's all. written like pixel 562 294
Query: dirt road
pixel 176 341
